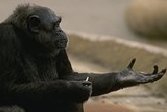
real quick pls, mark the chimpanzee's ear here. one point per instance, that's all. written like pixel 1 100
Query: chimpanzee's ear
pixel 33 23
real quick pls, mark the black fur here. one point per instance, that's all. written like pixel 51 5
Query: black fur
pixel 36 74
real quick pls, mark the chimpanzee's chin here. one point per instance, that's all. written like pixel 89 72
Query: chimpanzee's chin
pixel 61 44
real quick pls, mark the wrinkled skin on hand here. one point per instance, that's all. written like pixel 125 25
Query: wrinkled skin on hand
pixel 128 77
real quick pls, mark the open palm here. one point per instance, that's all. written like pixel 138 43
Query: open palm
pixel 129 77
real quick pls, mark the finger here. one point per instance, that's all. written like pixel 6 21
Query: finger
pixel 163 71
pixel 153 77
pixel 86 83
pixel 155 71
pixel 158 76
pixel 131 64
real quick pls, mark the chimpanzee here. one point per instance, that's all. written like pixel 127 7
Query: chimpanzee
pixel 36 74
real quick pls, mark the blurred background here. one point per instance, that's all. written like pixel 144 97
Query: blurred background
pixel 104 35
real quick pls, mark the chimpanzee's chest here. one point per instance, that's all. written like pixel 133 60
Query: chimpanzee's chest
pixel 40 69
pixel 47 71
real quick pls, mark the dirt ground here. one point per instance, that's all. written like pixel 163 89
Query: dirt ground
pixel 105 107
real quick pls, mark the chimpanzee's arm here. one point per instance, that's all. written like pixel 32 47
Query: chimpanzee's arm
pixel 107 82
pixel 75 91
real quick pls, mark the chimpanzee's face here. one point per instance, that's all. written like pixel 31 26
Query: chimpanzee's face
pixel 44 25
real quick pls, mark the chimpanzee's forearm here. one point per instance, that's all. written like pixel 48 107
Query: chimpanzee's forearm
pixel 108 82
pixel 101 83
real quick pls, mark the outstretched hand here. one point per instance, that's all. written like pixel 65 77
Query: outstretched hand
pixel 128 77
